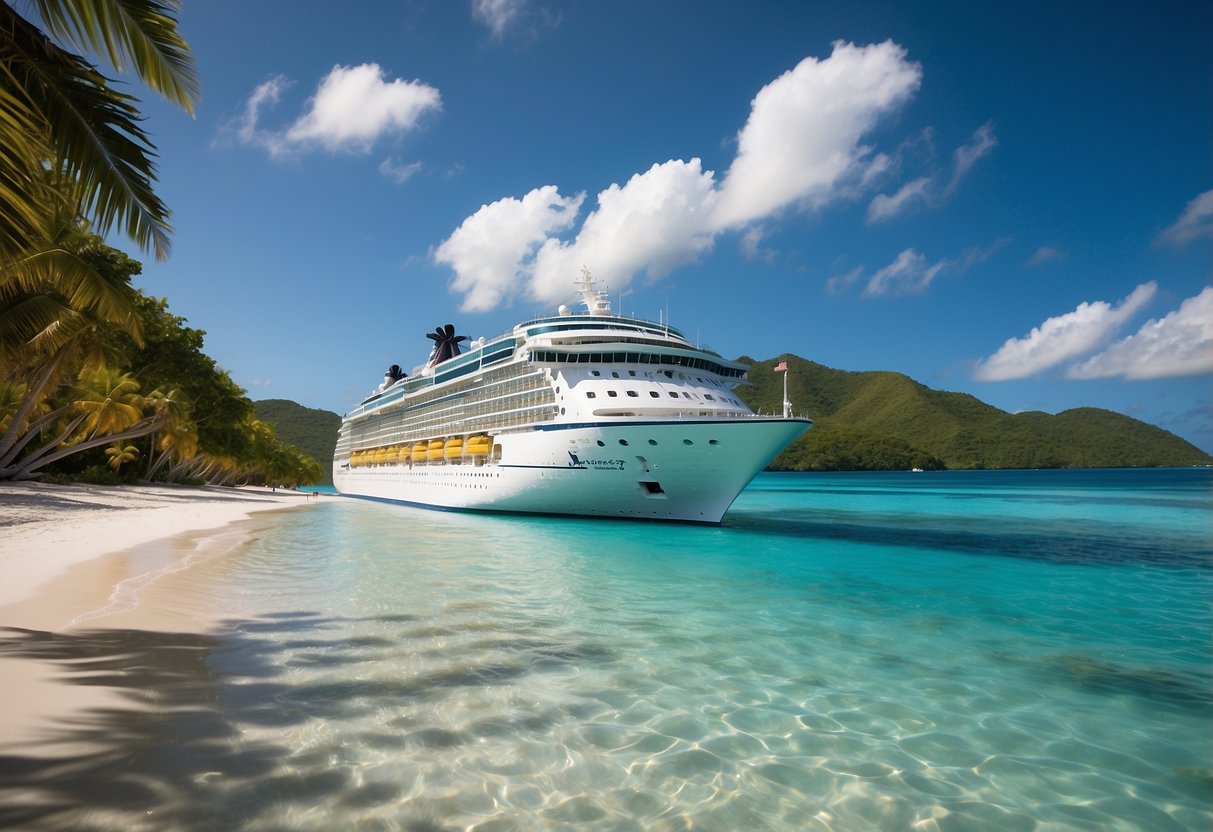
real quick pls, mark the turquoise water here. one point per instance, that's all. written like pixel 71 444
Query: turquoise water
pixel 937 651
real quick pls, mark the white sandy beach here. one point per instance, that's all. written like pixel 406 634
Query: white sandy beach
pixel 67 551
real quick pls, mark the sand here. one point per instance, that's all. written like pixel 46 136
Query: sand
pixel 76 557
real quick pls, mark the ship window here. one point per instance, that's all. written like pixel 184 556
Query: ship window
pixel 562 411
pixel 614 375
pixel 633 393
pixel 595 373
pixel 687 442
pixel 591 395
pixel 709 397
pixel 596 357
pixel 623 442
pixel 632 373
pixel 612 393
pixel 652 441
pixel 686 395
pixel 673 395
pixel 713 441
pixel 601 444
pixel 654 394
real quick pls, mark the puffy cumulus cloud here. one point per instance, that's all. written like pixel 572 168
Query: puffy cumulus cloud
pixel 800 145
pixel 909 274
pixel 1062 338
pixel 1179 344
pixel 1195 221
pixel 802 137
pixel 353 107
pixel 652 224
pixel 490 251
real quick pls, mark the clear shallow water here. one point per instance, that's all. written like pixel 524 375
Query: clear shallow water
pixel 952 651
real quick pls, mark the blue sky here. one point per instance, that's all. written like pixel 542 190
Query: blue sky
pixel 1013 203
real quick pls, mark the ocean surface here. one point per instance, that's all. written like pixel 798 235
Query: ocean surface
pixel 932 651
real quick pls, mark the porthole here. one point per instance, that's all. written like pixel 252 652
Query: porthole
pixel 673 395
pixel 713 441
pixel 562 411
pixel 652 441
pixel 612 394
pixel 654 394
pixel 623 442
pixel 687 442
pixel 601 444
pixel 591 395
pixel 633 393
pixel 614 375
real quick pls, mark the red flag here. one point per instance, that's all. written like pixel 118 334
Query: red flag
pixel 781 367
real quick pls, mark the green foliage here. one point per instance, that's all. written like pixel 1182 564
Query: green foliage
pixel 887 421
pixel 310 429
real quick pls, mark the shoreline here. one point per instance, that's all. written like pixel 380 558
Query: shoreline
pixel 74 559
pixel 48 529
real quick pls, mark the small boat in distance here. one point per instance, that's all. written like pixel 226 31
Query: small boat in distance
pixel 590 414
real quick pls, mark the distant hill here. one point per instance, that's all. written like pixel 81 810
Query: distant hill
pixel 313 430
pixel 883 420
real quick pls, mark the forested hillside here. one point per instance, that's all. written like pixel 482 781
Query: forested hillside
pixel 883 420
pixel 309 428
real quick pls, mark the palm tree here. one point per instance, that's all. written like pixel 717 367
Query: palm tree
pixel 63 123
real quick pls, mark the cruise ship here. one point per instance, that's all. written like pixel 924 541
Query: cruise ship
pixel 581 413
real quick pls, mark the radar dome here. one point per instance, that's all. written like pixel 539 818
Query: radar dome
pixel 563 310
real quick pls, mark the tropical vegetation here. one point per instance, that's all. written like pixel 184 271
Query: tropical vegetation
pixel 311 429
pixel 96 379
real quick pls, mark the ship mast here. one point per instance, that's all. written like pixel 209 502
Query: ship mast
pixel 595 300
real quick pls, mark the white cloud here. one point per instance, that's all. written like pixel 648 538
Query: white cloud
pixel 800 145
pixel 497 14
pixel 653 223
pixel 1180 344
pixel 964 157
pixel 909 274
pixel 1195 221
pixel 1045 254
pixel 802 137
pixel 882 207
pixel 1062 338
pixel 927 188
pixel 837 284
pixel 352 108
pixel 398 172
pixel 489 250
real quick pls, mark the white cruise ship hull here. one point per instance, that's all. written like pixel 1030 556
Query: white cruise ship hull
pixel 688 471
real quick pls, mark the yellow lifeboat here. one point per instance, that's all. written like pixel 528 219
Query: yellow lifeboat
pixel 435 450
pixel 391 454
pixel 419 451
pixel 453 450
pixel 380 456
pixel 477 446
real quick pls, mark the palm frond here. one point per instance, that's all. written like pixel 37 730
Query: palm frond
pixel 97 143
pixel 133 34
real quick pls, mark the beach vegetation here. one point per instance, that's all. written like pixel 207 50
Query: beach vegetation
pixel 73 382
pixel 71 139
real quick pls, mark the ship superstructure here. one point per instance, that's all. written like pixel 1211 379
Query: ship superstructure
pixel 587 414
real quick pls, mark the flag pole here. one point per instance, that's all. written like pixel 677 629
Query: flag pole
pixel 787 405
